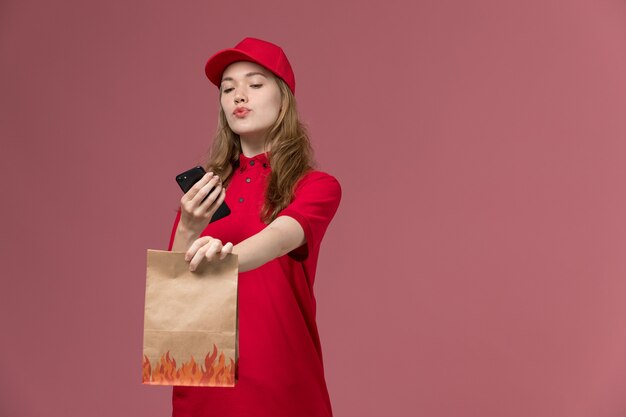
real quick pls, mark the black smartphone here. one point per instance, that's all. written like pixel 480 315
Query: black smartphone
pixel 188 178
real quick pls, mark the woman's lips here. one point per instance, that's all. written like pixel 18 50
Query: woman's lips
pixel 241 112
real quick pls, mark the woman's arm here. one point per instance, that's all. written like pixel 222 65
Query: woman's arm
pixel 279 238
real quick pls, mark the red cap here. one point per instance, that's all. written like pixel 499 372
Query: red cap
pixel 260 52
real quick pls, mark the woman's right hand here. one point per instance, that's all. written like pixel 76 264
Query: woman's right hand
pixel 196 214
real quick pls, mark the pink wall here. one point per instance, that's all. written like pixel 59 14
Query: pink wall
pixel 476 266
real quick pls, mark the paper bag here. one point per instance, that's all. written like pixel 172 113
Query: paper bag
pixel 190 321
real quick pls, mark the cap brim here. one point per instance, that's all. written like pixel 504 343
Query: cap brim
pixel 216 65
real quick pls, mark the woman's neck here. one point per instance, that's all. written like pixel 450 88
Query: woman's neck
pixel 254 147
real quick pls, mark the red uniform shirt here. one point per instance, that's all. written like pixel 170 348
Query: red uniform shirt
pixel 280 359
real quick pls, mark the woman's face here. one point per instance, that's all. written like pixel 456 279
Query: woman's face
pixel 250 98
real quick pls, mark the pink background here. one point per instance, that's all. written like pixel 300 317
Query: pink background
pixel 476 265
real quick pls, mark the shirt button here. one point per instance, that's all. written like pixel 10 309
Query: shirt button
pixel 241 199
pixel 251 163
pixel 248 180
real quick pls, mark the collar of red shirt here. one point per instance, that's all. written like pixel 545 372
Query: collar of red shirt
pixel 244 162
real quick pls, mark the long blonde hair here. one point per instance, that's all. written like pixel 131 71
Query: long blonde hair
pixel 290 156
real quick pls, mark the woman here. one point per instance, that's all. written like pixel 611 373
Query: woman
pixel 280 209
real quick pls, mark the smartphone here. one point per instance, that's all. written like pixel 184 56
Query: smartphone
pixel 188 178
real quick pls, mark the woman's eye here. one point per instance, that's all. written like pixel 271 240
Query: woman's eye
pixel 256 85
pixel 227 90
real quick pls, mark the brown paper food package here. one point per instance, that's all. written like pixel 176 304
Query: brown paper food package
pixel 190 321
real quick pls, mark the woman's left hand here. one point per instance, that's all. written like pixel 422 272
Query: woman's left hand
pixel 208 248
